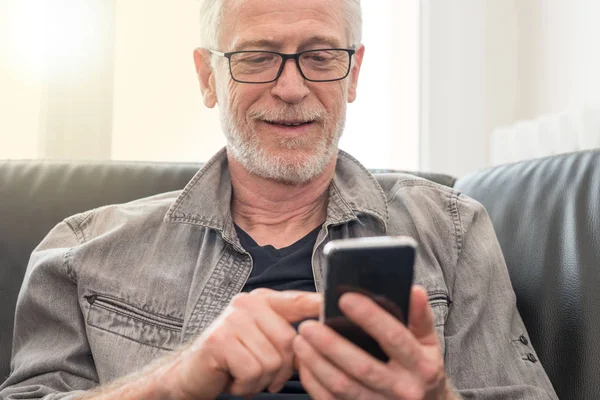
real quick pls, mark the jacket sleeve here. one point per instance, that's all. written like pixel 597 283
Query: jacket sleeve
pixel 488 353
pixel 51 356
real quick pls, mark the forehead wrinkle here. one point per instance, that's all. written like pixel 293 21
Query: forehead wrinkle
pixel 278 41
pixel 278 38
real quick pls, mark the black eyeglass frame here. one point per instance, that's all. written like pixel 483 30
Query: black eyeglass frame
pixel 284 58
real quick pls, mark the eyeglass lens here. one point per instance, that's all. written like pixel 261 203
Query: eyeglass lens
pixel 320 65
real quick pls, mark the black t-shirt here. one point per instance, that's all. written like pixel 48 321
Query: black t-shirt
pixel 289 268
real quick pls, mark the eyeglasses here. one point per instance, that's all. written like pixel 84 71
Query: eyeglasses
pixel 319 65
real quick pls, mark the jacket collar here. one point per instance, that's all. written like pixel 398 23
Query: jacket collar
pixel 205 201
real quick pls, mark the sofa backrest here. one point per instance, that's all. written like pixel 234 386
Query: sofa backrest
pixel 546 214
pixel 36 195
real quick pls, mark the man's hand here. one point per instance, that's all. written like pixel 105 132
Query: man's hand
pixel 247 349
pixel 333 368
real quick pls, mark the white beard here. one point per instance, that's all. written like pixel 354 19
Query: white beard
pixel 245 145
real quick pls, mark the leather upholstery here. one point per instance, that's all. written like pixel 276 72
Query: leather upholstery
pixel 36 195
pixel 546 214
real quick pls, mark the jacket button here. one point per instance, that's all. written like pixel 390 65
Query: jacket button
pixel 524 340
pixel 531 358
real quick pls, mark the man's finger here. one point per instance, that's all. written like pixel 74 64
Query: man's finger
pixel 354 361
pixel 293 306
pixel 244 368
pixel 312 385
pixel 421 322
pixel 325 373
pixel 393 337
pixel 276 367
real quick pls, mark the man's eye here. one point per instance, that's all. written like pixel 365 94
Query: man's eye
pixel 259 59
pixel 320 57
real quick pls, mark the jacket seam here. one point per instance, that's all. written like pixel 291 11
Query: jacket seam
pixel 68 267
pixel 412 182
pixel 422 183
pixel 68 254
pixel 437 293
pixel 76 229
pixel 195 222
pixel 457 222
pixel 338 194
pixel 82 224
pixel 452 205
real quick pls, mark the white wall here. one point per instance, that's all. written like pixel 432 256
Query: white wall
pixel 20 88
pixel 20 101
pixel 158 111
pixel 382 128
pixel 405 17
pixel 55 79
pixel 76 116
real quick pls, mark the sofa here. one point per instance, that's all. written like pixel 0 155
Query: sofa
pixel 546 213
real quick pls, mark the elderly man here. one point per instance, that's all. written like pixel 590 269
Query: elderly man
pixel 194 295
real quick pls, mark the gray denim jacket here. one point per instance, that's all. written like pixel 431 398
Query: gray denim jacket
pixel 110 290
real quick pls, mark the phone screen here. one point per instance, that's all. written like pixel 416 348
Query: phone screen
pixel 380 268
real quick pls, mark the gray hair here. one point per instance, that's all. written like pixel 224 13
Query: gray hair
pixel 211 15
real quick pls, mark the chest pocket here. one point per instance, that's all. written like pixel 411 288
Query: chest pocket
pixel 115 316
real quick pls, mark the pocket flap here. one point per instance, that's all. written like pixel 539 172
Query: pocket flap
pixel 115 316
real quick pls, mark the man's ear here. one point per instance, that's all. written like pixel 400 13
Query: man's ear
pixel 206 76
pixel 355 72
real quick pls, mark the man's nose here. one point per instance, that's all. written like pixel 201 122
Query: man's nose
pixel 291 86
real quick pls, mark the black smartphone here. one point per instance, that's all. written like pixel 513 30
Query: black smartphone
pixel 381 268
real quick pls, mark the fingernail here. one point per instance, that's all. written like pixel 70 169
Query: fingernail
pixel 307 328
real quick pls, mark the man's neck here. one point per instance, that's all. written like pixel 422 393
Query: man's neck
pixel 275 213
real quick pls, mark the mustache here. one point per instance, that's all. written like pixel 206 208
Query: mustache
pixel 289 112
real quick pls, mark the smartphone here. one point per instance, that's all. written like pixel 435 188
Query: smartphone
pixel 381 268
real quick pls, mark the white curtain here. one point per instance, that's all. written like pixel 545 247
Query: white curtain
pixel 469 80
